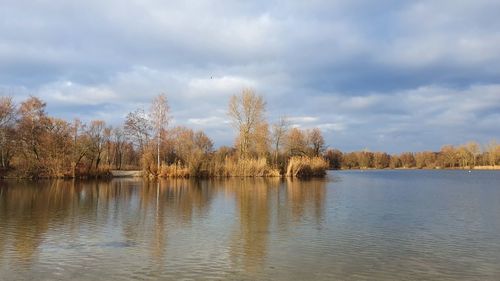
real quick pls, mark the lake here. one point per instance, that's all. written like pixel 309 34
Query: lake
pixel 353 225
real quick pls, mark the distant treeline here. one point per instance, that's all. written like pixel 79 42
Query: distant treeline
pixel 467 156
pixel 36 145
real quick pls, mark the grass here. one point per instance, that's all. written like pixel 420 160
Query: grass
pixel 301 167
pixel 250 167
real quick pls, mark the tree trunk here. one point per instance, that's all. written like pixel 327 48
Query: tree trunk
pixel 158 154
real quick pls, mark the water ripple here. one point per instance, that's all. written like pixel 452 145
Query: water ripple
pixel 361 226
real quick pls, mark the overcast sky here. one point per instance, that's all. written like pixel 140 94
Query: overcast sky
pixel 382 75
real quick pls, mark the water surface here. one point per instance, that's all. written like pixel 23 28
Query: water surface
pixel 353 225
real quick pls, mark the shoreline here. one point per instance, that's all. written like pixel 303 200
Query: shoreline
pixel 477 168
pixel 116 174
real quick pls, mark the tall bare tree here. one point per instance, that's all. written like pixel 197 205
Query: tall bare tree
pixel 247 113
pixel 159 117
pixel 119 147
pixel 31 126
pixel 279 132
pixel 81 145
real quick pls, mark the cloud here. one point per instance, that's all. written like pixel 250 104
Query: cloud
pixel 334 127
pixel 209 121
pixel 69 93
pixel 218 87
pixel 302 119
pixel 392 75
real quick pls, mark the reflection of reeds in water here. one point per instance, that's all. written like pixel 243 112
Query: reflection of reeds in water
pixel 306 195
pixel 263 202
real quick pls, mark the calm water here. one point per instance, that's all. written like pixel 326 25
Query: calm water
pixel 373 225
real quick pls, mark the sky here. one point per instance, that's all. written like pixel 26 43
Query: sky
pixel 380 75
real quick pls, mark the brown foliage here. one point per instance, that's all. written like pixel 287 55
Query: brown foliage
pixel 247 113
pixel 306 167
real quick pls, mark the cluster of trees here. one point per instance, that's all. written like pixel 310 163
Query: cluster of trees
pixel 34 144
pixel 465 156
pixel 279 148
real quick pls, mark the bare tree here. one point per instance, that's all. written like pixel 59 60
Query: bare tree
pixel 448 156
pixel 119 147
pixel 261 140
pixel 296 142
pixel 203 142
pixel 138 128
pixel 7 111
pixel 279 132
pixel 334 158
pixel 316 141
pixel 108 131
pixel 56 147
pixel 31 126
pixel 96 133
pixel 80 144
pixel 7 118
pixel 474 150
pixel 247 111
pixel 492 149
pixel 159 117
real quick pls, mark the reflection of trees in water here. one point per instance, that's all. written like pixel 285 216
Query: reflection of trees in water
pixel 262 203
pixel 177 203
pixel 163 204
pixel 26 212
pixel 29 210
pixel 187 198
pixel 249 241
pixel 306 195
pixel 144 211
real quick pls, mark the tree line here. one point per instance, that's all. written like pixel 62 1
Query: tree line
pixel 467 156
pixel 34 144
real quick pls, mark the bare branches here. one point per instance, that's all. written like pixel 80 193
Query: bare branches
pixel 278 134
pixel 247 113
pixel 159 117
pixel 7 119
pixel 7 111
pixel 159 113
pixel 138 128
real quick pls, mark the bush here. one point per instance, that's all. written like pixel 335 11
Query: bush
pixel 300 167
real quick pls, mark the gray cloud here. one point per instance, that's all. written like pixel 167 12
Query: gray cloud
pixel 391 75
